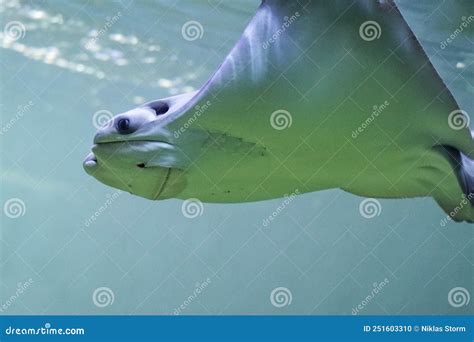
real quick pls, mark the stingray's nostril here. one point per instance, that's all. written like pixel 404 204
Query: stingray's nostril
pixel 123 126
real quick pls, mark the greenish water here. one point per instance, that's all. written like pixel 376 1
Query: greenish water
pixel 147 254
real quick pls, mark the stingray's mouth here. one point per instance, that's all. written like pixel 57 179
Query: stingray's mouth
pixel 146 153
pixel 143 168
pixel 119 139
pixel 90 163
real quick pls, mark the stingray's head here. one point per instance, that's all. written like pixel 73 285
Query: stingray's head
pixel 136 151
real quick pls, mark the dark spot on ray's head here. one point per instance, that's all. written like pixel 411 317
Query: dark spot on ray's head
pixel 160 107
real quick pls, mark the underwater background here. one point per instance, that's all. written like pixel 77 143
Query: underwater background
pixel 71 245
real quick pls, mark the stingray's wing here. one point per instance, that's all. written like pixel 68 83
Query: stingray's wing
pixel 388 43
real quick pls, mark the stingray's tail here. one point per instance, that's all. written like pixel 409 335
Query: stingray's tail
pixel 466 174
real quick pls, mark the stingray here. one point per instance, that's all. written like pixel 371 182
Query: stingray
pixel 314 95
